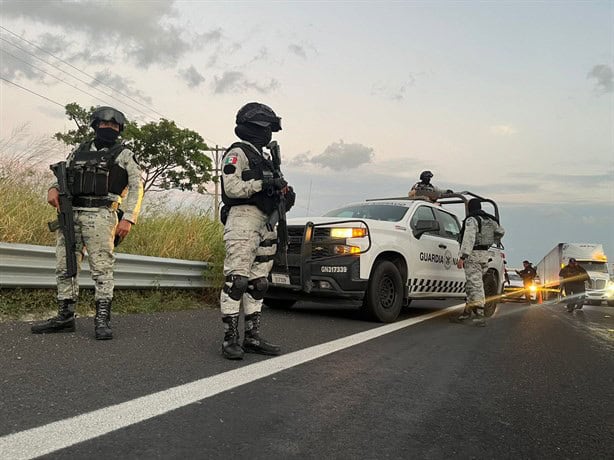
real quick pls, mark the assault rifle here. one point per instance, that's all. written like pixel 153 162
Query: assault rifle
pixel 279 215
pixel 65 219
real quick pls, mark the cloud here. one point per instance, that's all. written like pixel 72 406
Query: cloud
pixel 234 81
pixel 503 130
pixel 144 31
pixel 393 92
pixel 298 50
pixel 119 83
pixel 604 78
pixel 16 64
pixel 213 36
pixel 192 76
pixel 340 156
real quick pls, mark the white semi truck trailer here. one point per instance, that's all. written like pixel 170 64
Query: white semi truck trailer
pixel 591 257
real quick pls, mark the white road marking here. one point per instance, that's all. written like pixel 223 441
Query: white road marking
pixel 65 433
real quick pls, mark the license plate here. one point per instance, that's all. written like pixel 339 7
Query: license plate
pixel 280 278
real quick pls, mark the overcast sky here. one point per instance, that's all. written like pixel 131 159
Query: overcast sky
pixel 512 100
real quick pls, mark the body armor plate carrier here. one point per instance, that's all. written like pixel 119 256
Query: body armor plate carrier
pixel 264 200
pixel 95 173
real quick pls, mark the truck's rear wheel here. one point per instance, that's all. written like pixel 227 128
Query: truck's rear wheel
pixel 384 297
pixel 490 291
pixel 279 303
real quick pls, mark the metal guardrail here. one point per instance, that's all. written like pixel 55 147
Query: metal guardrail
pixel 30 266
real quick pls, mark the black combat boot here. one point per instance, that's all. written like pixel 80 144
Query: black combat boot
pixel 230 347
pixel 252 342
pixel 64 321
pixel 101 321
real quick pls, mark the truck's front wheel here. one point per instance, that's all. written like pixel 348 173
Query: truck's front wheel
pixel 384 297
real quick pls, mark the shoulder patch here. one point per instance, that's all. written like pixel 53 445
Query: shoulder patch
pixel 231 159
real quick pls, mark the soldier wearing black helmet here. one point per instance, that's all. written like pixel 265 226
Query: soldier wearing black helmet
pixel 101 173
pixel 250 193
pixel 424 189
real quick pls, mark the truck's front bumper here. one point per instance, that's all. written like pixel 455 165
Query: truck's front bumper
pixel 336 277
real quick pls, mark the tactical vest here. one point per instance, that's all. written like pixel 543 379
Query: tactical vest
pixel 486 235
pixel 95 173
pixel 258 165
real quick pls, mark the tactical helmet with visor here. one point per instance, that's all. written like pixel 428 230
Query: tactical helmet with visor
pixel 259 114
pixel 107 114
pixel 426 175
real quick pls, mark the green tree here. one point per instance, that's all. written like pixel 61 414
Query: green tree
pixel 171 157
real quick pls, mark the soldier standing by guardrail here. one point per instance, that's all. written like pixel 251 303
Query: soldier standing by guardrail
pixel 252 190
pixel 90 184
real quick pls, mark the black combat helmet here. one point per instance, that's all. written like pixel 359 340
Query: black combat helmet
pixel 425 176
pixel 107 114
pixel 259 114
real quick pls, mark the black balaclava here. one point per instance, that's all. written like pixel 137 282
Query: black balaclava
pixel 257 135
pixel 105 137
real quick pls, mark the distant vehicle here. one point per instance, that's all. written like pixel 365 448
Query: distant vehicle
pixel 515 291
pixel 591 257
pixel 385 252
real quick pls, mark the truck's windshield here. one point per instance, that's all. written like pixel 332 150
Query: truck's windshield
pixel 384 212
pixel 591 266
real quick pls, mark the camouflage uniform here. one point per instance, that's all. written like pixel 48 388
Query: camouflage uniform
pixel 476 257
pixel 95 231
pixel 250 244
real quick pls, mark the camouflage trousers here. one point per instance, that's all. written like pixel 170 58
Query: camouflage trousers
pixel 94 231
pixel 250 248
pixel 476 266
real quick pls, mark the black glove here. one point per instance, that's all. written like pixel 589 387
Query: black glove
pixel 276 183
pixel 290 198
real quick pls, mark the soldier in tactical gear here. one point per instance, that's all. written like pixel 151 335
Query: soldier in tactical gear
pixel 424 189
pixel 528 274
pixel 574 277
pixel 101 173
pixel 480 230
pixel 250 192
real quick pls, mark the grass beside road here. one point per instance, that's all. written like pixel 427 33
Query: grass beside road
pixel 163 230
pixel 34 304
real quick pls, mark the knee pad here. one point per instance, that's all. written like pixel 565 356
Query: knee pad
pixel 235 286
pixel 257 287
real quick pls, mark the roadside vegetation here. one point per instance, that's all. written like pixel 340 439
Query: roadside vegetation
pixel 164 229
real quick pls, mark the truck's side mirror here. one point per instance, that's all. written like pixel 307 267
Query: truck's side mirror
pixel 425 226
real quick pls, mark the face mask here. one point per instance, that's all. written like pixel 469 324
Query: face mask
pixel 106 135
pixel 256 135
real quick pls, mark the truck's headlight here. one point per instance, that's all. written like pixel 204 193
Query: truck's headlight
pixel 533 288
pixel 611 287
pixel 348 232
pixel 346 249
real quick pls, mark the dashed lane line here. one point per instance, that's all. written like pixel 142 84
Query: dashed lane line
pixel 65 433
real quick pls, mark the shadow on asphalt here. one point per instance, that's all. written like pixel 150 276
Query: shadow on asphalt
pixel 351 309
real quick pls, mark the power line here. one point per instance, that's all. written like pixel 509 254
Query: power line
pixel 30 91
pixel 82 71
pixel 64 81
pixel 87 74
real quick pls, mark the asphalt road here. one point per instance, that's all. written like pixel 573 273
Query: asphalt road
pixel 537 382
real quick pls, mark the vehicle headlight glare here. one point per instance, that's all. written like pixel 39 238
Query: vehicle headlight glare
pixel 533 288
pixel 348 232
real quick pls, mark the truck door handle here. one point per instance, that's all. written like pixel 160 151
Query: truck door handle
pixel 443 246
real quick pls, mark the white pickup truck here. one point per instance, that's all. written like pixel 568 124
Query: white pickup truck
pixel 385 252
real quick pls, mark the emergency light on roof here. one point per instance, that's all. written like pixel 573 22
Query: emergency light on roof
pixel 601 256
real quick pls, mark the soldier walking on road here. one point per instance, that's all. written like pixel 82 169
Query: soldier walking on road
pixel 251 192
pixel 480 230
pixel 100 174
